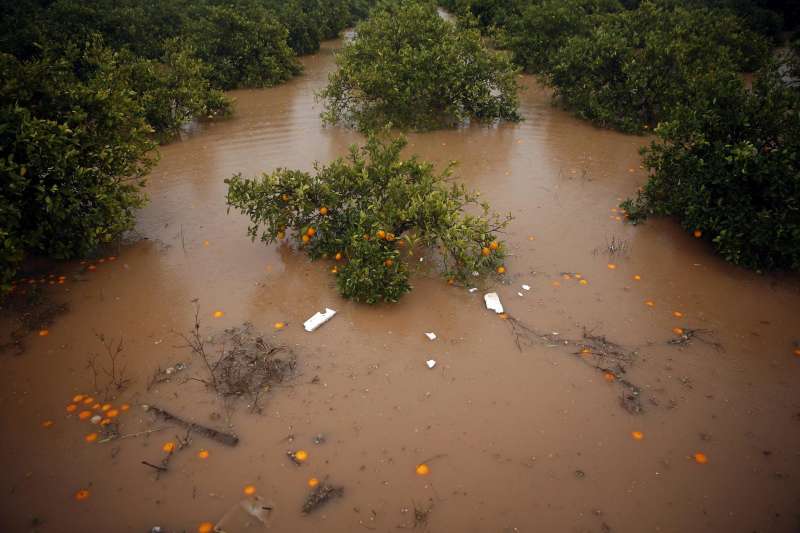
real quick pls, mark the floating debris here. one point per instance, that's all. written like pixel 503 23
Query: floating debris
pixel 431 335
pixel 431 363
pixel 493 302
pixel 318 319
pixel 321 494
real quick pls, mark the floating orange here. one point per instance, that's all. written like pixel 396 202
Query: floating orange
pixel 583 282
pixel 47 423
pixel 78 398
pixel 91 437
pixel 612 266
pixel 124 407
pixel 96 406
pixel 44 333
pixel 637 435
pixel 503 316
pixel 501 269
pixel 218 314
pixel 608 376
pixel 313 482
pixel 677 314
pixel 697 234
pixel 203 454
pixel 168 447
pixel 249 490
pixel 206 243
pixel 578 276
pixel 586 351
pixel 207 527
pixel 334 270
pixel 494 245
pixel 112 413
pixel 677 331
pixel 485 251
pixel 566 276
pixel 301 455
pixel 797 352
pixel 81 495
pixel 423 469
pixel 637 277
pixel 105 421
pixel 71 408
pixel 279 325
pixel 649 303
pixel 323 211
pixel 85 415
pixel 700 458
pixel 105 407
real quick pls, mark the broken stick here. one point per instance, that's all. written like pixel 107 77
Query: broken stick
pixel 213 434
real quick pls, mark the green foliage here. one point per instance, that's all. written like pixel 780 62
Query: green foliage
pixel 74 148
pixel 373 209
pixel 633 68
pixel 409 67
pixel 244 46
pixel 729 166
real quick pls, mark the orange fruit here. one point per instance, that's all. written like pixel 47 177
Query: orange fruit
pixel 313 482
pixel 677 331
pixel 797 352
pixel 637 277
pixel 301 455
pixel 305 239
pixel 78 398
pixel 485 251
pixel 323 211
pixel 423 470
pixel 203 454
pixel 583 282
pixel 697 234
pixel 608 376
pixel 124 407
pixel 390 237
pixel 105 421
pixel 71 408
pixel 206 527
pixel 249 490
pixel 311 232
pixel 388 263
pixel 612 266
pixel 112 413
pixel 279 325
pixel 700 458
pixel 381 234
pixel 334 270
pixel 44 333
pixel 586 351
pixel 649 303
pixel 503 316
pixel 219 314
pixel 96 406
pixel 105 407
pixel 501 269
pixel 47 423
pixel 494 245
pixel 566 276
pixel 85 415
pixel 338 256
pixel 637 435
pixel 91 437
pixel 81 495
pixel 168 447
pixel 677 314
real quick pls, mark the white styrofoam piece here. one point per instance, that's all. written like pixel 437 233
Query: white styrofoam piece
pixel 526 287
pixel 431 335
pixel 519 294
pixel 318 319
pixel 473 289
pixel 431 363
pixel 493 302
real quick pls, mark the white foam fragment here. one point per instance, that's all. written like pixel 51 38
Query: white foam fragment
pixel 493 302
pixel 519 294
pixel 526 287
pixel 431 335
pixel 318 319
pixel 431 363
pixel 473 289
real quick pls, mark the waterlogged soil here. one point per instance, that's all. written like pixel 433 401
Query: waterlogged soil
pixel 540 437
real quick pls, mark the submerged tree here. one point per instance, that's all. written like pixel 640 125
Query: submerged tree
pixel 409 67
pixel 368 212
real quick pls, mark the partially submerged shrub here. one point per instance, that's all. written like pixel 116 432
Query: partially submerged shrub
pixel 368 212
pixel 728 167
pixel 74 148
pixel 409 67
pixel 632 70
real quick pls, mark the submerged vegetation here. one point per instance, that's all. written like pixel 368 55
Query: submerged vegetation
pixel 369 213
pixel 410 68
pixel 90 87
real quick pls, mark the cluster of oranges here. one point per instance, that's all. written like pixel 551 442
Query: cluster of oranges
pixel 86 408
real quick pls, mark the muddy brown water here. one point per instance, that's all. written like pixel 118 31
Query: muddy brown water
pixel 531 440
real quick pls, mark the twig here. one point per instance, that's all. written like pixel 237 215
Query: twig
pixel 132 435
pixel 151 465
pixel 219 436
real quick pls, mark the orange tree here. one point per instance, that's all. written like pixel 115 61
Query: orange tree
pixel 368 212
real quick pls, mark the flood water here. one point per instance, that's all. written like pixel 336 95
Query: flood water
pixel 531 439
